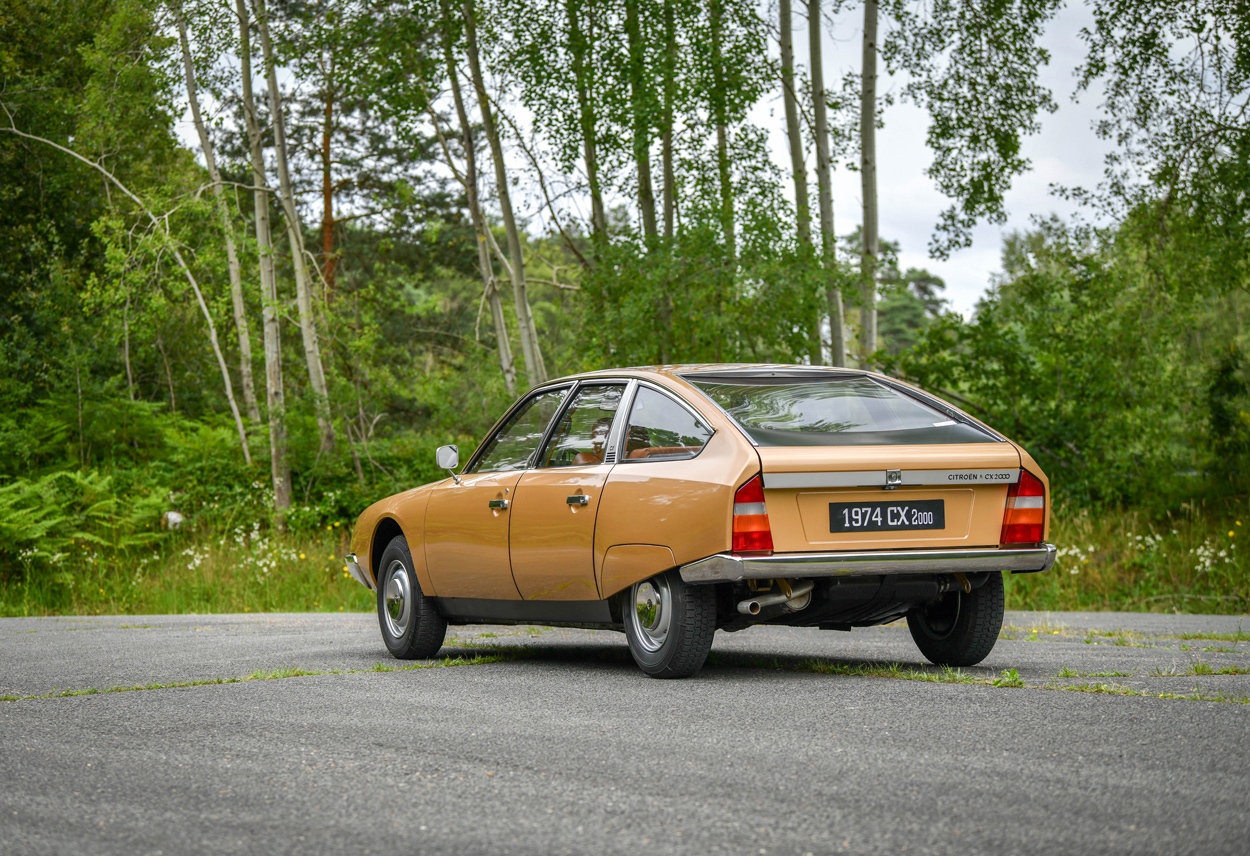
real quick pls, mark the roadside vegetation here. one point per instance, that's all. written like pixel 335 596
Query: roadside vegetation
pixel 394 218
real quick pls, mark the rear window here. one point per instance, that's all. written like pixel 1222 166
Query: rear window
pixel 842 411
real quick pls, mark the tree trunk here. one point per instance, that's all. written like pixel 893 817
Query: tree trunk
pixel 295 236
pixel 581 46
pixel 275 395
pixel 329 261
pixel 525 319
pixel 503 347
pixel 868 174
pixel 716 13
pixel 789 94
pixel 828 238
pixel 641 109
pixel 232 256
pixel 666 131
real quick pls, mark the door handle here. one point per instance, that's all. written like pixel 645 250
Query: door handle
pixel 499 503
pixel 578 499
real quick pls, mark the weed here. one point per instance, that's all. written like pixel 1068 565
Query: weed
pixel 1008 678
pixel 1065 672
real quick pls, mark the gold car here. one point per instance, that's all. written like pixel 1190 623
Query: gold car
pixel 672 502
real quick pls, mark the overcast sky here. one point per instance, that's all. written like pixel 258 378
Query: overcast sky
pixel 1066 151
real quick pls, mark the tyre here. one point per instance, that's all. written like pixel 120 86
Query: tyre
pixel 960 628
pixel 411 626
pixel 670 625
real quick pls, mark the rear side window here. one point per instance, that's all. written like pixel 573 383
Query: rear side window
pixel 845 411
pixel 660 429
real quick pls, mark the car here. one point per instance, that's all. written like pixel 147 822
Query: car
pixel 675 501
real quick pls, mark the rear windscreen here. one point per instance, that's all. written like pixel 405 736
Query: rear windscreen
pixel 843 411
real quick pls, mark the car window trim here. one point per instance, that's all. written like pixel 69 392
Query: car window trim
pixel 549 434
pixel 503 420
pixel 687 406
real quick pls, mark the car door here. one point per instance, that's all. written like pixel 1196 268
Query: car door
pixel 466 523
pixel 553 517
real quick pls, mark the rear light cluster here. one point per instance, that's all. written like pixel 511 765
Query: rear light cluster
pixel 751 532
pixel 1025 517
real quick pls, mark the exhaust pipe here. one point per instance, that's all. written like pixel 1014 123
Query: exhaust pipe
pixel 798 598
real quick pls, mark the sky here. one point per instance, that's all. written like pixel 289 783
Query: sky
pixel 1066 152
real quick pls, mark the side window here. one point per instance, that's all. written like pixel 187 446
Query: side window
pixel 661 429
pixel 514 443
pixel 582 434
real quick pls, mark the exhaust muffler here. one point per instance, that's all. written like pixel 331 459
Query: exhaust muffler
pixel 798 597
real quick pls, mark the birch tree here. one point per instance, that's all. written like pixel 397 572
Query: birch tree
pixel 275 394
pixel 868 179
pixel 530 350
pixel 227 228
pixel 294 230
pixel 828 238
pixel 794 133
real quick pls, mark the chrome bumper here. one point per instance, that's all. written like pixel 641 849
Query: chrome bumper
pixel 357 573
pixel 727 567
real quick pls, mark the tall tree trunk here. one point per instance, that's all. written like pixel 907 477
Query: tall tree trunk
pixel 503 346
pixel 828 238
pixel 275 394
pixel 641 105
pixel 329 261
pixel 525 318
pixel 716 14
pixel 581 46
pixel 789 95
pixel 666 120
pixel 295 236
pixel 232 256
pixel 868 174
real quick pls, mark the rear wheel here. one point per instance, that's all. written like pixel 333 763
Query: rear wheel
pixel 670 625
pixel 960 628
pixel 411 626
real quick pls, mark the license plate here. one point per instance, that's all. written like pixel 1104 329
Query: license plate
pixel 887 516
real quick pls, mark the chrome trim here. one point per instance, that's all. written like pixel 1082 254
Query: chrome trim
pixel 578 499
pixel 728 567
pixel 358 574
pixel 501 504
pixel 880 478
pixel 615 447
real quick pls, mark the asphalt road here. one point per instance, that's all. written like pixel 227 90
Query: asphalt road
pixel 563 746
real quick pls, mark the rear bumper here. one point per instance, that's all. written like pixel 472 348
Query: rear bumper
pixel 358 574
pixel 727 567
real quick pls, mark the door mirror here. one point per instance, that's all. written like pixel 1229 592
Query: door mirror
pixel 448 458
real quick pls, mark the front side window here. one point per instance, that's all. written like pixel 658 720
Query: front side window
pixel 582 435
pixel 841 411
pixel 660 429
pixel 516 440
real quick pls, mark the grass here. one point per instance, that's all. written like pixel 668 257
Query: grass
pixel 278 674
pixel 1194 560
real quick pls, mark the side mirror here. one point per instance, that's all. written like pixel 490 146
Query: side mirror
pixel 448 458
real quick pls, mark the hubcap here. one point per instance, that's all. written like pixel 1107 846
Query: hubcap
pixel 398 599
pixel 652 613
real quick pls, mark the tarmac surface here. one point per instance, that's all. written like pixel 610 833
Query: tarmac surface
pixel 551 741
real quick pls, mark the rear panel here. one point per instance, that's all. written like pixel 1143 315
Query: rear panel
pixel 970 482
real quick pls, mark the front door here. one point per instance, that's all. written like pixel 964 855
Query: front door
pixel 466 524
pixel 553 518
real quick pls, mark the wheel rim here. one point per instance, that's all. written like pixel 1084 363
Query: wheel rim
pixel 397 600
pixel 651 614
pixel 939 619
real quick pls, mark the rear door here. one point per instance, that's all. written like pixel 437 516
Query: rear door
pixel 553 516
pixel 851 462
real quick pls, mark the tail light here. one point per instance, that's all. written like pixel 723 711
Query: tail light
pixel 751 532
pixel 1025 517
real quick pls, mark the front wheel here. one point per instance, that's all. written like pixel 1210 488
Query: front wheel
pixel 670 625
pixel 960 628
pixel 411 626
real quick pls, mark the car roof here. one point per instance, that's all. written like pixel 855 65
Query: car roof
pixel 683 371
